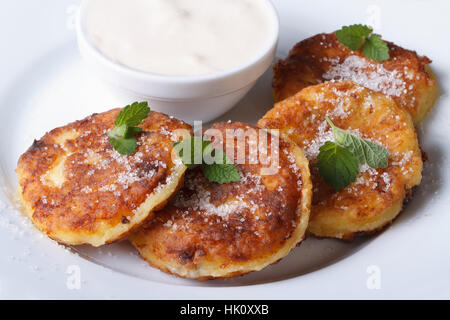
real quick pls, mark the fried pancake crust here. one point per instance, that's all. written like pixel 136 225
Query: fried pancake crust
pixel 405 77
pixel 376 197
pixel 213 230
pixel 78 190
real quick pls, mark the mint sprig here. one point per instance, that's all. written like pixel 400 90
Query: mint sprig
pixel 336 160
pixel 353 36
pixel 376 49
pixel 365 151
pixel 357 35
pixel 123 137
pixel 191 151
pixel 214 163
pixel 337 166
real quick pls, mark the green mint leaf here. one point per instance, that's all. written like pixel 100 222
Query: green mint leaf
pixel 125 146
pixel 124 132
pixel 215 164
pixel 133 115
pixel 340 136
pixel 215 156
pixel 353 36
pixel 118 132
pixel 337 166
pixel 191 150
pixel 376 49
pixel 132 132
pixel 357 35
pixel 374 155
pixel 221 173
pixel 365 152
pixel 217 167
pixel 123 137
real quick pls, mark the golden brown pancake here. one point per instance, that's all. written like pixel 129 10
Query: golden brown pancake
pixel 377 195
pixel 213 230
pixel 405 77
pixel 78 190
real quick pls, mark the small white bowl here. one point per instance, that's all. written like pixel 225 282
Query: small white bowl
pixel 189 98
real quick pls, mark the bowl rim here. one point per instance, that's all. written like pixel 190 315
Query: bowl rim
pixel 174 79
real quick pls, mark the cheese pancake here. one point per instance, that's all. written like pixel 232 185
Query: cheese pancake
pixel 405 77
pixel 376 197
pixel 78 190
pixel 213 230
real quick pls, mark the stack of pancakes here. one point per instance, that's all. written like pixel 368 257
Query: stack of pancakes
pixel 78 190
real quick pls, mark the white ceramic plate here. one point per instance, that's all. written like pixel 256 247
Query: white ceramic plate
pixel 43 84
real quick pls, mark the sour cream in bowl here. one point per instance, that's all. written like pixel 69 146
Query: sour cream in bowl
pixel 193 59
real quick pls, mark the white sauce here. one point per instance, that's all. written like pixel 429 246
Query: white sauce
pixel 179 37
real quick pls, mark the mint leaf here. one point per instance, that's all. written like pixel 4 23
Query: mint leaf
pixel 118 132
pixel 221 173
pixel 213 155
pixel 215 164
pixel 338 161
pixel 123 137
pixel 217 167
pixel 132 131
pixel 191 150
pixel 125 146
pixel 337 166
pixel 376 49
pixel 356 36
pixel 365 152
pixel 133 115
pixel 124 132
pixel 353 36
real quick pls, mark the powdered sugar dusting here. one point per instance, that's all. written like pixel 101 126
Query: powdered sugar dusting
pixel 323 135
pixel 372 76
pixel 200 198
pixel 129 172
